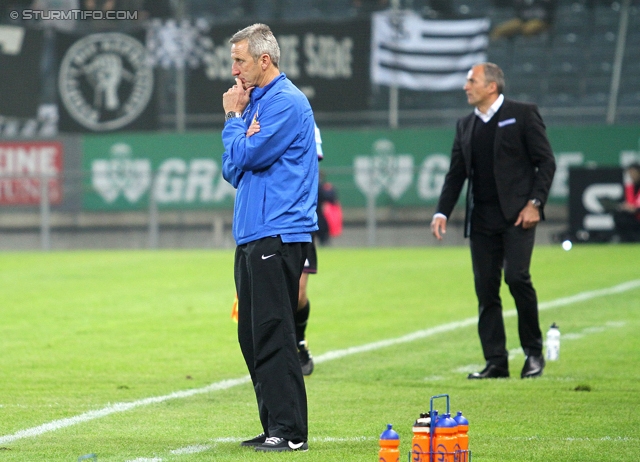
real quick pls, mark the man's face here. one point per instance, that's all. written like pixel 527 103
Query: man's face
pixel 478 91
pixel 244 67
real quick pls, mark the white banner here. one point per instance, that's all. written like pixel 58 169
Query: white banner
pixel 424 54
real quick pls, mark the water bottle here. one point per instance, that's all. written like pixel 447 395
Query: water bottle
pixel 421 439
pixel 553 343
pixel 445 438
pixel 463 437
pixel 389 443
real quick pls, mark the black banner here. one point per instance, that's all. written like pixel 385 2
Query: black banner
pixel 328 61
pixel 105 83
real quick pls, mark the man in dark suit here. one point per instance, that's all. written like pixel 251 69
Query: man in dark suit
pixel 503 151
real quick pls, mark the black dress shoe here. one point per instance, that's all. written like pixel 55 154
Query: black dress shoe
pixel 533 367
pixel 490 372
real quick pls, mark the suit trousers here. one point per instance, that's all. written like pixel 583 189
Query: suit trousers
pixel 267 276
pixel 509 249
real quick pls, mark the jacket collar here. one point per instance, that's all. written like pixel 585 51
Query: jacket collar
pixel 258 93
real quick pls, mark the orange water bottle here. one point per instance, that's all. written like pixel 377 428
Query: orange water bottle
pixel 389 443
pixel 463 437
pixel 445 438
pixel 421 439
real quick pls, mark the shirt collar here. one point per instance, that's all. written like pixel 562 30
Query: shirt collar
pixel 486 117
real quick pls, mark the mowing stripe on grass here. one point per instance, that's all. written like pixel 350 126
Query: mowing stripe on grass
pixel 226 384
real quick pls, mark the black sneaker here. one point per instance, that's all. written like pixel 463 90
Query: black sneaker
pixel 255 441
pixel 306 360
pixel 273 443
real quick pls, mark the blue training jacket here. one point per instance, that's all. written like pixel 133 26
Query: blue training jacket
pixel 274 171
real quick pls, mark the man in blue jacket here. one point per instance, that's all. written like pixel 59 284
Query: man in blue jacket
pixel 275 171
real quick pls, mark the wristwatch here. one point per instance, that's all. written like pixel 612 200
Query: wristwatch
pixel 536 203
pixel 231 115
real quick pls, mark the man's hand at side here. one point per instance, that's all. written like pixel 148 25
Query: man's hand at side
pixel 529 216
pixel 439 226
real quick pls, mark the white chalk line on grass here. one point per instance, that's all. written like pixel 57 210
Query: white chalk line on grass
pixel 571 438
pixel 198 448
pixel 331 355
pixel 195 449
pixel 119 407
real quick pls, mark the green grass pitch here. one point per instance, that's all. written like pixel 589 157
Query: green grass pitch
pixel 93 337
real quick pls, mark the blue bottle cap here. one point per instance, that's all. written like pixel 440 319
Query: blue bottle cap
pixel 389 434
pixel 462 420
pixel 446 421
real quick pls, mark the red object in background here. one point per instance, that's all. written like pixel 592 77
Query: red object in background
pixel 333 214
pixel 23 164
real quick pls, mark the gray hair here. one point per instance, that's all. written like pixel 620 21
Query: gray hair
pixel 493 73
pixel 260 40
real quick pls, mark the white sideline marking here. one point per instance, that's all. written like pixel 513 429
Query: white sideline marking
pixel 226 384
pixel 571 438
pixel 198 448
pixel 313 439
pixel 119 407
pixel 228 439
pixel 195 449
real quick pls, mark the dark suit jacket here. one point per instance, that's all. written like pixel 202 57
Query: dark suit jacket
pixel 523 161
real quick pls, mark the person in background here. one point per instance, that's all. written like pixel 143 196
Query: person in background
pixel 330 211
pixel 301 316
pixel 275 172
pixel 532 17
pixel 627 217
pixel 502 151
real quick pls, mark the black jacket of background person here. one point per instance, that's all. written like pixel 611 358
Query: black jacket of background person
pixel 523 162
